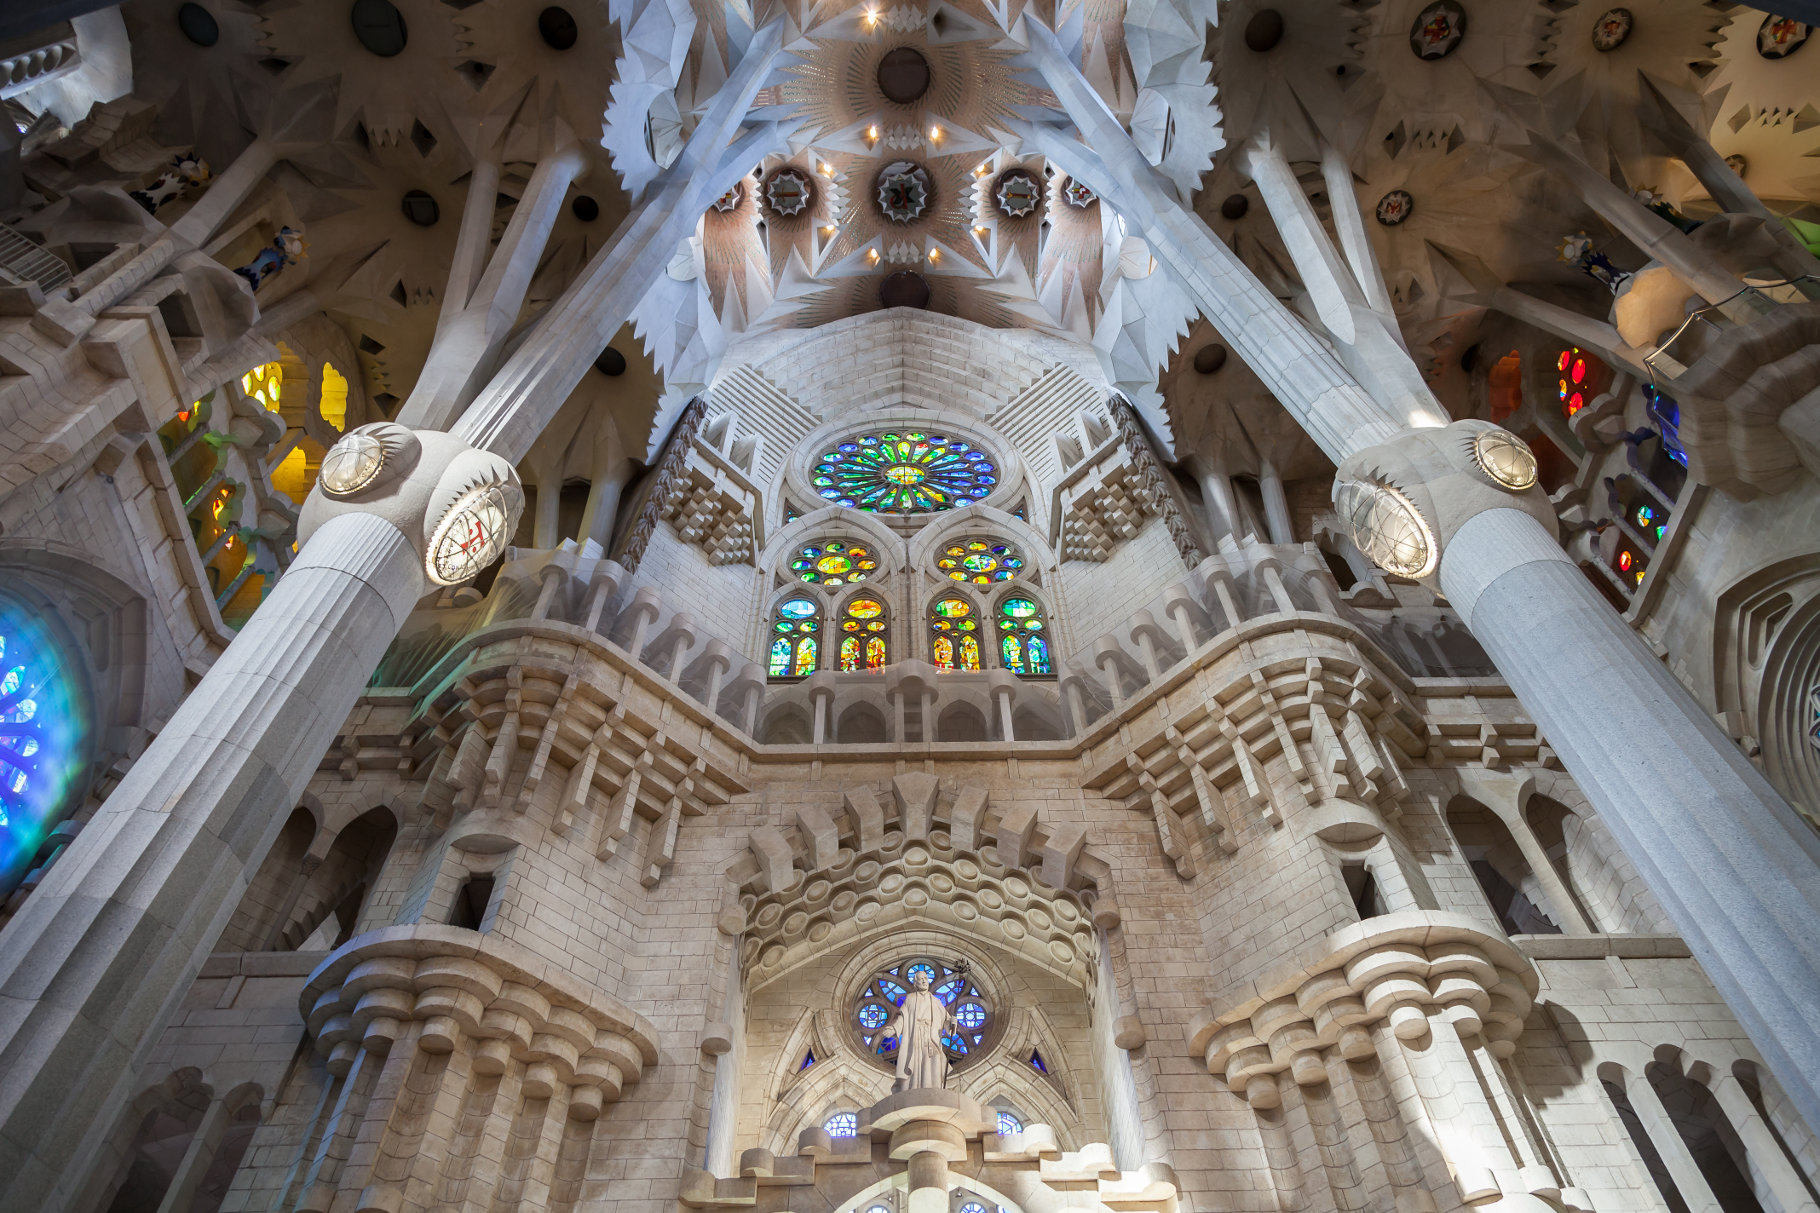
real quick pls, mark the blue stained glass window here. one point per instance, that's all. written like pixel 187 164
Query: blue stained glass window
pixel 841 1124
pixel 1009 1124
pixel 41 733
pixel 1036 1062
pixel 872 1017
pixel 970 1015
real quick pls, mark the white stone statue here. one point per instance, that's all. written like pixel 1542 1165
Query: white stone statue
pixel 918 1025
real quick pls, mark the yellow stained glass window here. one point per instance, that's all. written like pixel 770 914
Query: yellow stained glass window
pixel 334 406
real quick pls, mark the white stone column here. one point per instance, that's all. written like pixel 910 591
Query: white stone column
pixel 1695 1191
pixel 98 958
pixel 1216 495
pixel 1297 367
pixel 537 378
pixel 1734 867
pixel 1765 1151
pixel 602 512
pixel 1276 504
pixel 1369 342
pixel 480 307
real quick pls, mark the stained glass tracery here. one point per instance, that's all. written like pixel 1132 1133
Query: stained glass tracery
pixel 40 732
pixel 834 562
pixel 862 644
pixel 909 472
pixel 954 635
pixel 795 637
pixel 842 1124
pixel 980 561
pixel 878 1001
pixel 1023 639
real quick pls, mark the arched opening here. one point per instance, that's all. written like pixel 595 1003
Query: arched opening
pixel 1563 837
pixel 1510 887
pixel 267 900
pixel 1646 1150
pixel 329 908
pixel 1709 1137
pixel 787 725
pixel 1032 722
pixel 960 722
pixel 861 724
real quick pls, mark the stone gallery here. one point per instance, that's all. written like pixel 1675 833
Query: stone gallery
pixel 909 606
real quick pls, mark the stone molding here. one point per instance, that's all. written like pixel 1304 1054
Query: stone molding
pixel 825 879
pixel 1394 970
pixel 466 988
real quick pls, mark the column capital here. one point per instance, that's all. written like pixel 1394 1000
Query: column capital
pixel 1402 501
pixel 456 504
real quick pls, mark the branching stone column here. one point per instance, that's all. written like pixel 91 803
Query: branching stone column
pixel 96 961
pixel 1735 868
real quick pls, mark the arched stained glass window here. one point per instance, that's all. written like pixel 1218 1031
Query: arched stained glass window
pixel 904 472
pixel 795 637
pixel 1023 637
pixel 954 635
pixel 834 562
pixel 862 642
pixel 1009 1124
pixel 980 561
pixel 884 993
pixel 841 1124
pixel 41 729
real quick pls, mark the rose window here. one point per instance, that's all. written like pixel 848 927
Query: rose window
pixel 834 563
pixel 904 473
pixel 980 561
pixel 1079 195
pixel 885 992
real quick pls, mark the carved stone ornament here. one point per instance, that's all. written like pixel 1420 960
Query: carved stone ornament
pixel 1612 29
pixel 1018 194
pixel 788 192
pixel 1438 30
pixel 903 191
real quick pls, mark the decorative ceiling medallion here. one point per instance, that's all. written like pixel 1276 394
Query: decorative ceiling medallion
pixel 1611 30
pixel 1737 164
pixel 729 202
pixel 903 191
pixel 351 464
pixel 1395 207
pixel 1079 195
pixel 1018 194
pixel 1387 527
pixel 1505 458
pixel 1438 30
pixel 903 75
pixel 1780 37
pixel 470 536
pixel 789 192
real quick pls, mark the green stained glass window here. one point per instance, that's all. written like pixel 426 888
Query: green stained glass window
pixel 980 561
pixel 833 563
pixel 795 629
pixel 1023 647
pixel 908 472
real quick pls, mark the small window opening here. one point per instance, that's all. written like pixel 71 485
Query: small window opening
pixel 808 1060
pixel 1517 914
pixel 842 1124
pixel 1362 887
pixel 1036 1062
pixel 471 902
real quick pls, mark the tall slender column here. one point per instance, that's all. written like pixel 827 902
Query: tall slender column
pixel 1737 871
pixel 1369 342
pixel 98 957
pixel 1695 1191
pixel 1732 864
pixel 602 512
pixel 1765 1152
pixel 1216 494
pixel 1276 504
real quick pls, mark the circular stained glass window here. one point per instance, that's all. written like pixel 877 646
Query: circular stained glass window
pixel 980 561
pixel 1008 1124
pixel 834 563
pixel 907 472
pixel 41 730
pixel 841 1124
pixel 876 1006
